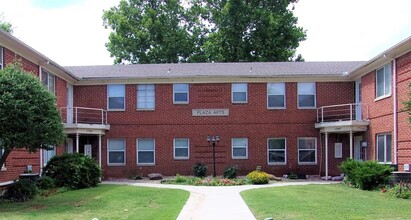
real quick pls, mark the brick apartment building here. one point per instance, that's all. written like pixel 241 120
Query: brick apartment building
pixel 286 117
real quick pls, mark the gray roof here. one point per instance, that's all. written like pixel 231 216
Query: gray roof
pixel 185 70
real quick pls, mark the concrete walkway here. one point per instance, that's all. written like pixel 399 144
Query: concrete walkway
pixel 216 202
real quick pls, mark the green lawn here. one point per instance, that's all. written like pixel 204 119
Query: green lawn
pixel 335 201
pixel 102 202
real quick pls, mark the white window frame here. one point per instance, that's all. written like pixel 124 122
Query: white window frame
pixel 50 79
pixel 279 150
pixel 108 98
pixel 284 94
pixel 1 58
pixel 232 149
pixel 154 152
pixel 385 148
pixel 233 85
pixel 47 158
pixel 315 151
pixel 108 152
pixel 181 147
pixel 387 69
pixel 142 91
pixel 176 91
pixel 3 168
pixel 314 94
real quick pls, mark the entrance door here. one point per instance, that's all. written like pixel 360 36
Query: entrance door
pixel 69 103
pixel 358 99
pixel 87 150
pixel 69 145
pixel 357 148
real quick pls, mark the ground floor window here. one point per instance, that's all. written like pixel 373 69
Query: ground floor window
pixel 1 154
pixel 239 148
pixel 384 148
pixel 181 148
pixel 276 151
pixel 116 151
pixel 48 154
pixel 145 151
pixel 307 150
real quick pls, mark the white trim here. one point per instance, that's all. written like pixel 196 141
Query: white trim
pixel 154 152
pixel 285 95
pixel 285 151
pixel 246 93
pixel 124 98
pixel 188 149
pixel 315 151
pixel 383 67
pixel 1 58
pixel 188 94
pixel 394 90
pixel 232 149
pixel 108 152
pixel 315 96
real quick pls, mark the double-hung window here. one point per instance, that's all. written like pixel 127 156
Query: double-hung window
pixel 306 95
pixel 383 81
pixel 384 148
pixel 1 58
pixel 276 151
pixel 145 151
pixel 48 80
pixel 307 150
pixel 239 93
pixel 239 148
pixel 276 95
pixel 116 97
pixel 49 153
pixel 180 93
pixel 181 148
pixel 116 150
pixel 146 97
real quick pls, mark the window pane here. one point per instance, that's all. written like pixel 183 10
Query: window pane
pixel 180 97
pixel 276 156
pixel 116 102
pixel 181 152
pixel 306 143
pixel 306 88
pixel 306 100
pixel 276 88
pixel 307 156
pixel 276 101
pixel 239 87
pixel 116 157
pixel 115 144
pixel 180 87
pixel 181 142
pixel 145 144
pixel 51 85
pixel 44 78
pixel 239 96
pixel 240 142
pixel 146 157
pixel 380 82
pixel 276 144
pixel 116 90
pixel 380 148
pixel 388 148
pixel 239 152
pixel 387 79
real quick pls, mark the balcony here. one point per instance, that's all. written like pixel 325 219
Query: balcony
pixel 82 120
pixel 343 118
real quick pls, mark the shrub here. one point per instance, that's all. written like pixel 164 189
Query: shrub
pixel 230 172
pixel 258 177
pixel 75 171
pixel 22 190
pixel 366 175
pixel 402 190
pixel 45 182
pixel 200 169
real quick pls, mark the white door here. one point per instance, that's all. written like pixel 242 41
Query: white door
pixel 358 99
pixel 69 145
pixel 87 150
pixel 357 148
pixel 69 103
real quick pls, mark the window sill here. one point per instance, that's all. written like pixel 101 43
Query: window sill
pixel 181 158
pixel 145 109
pixel 232 102
pixel 146 164
pixel 277 164
pixel 382 97
pixel 307 163
pixel 308 108
pixel 389 163
pixel 276 108
pixel 239 158
pixel 116 164
pixel 180 103
pixel 116 110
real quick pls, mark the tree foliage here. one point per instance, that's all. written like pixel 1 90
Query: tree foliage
pixel 5 25
pixel 203 31
pixel 407 104
pixel 28 115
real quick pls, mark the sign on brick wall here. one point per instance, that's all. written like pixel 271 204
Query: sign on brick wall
pixel 210 112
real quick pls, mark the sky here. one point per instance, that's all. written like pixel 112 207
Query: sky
pixel 71 32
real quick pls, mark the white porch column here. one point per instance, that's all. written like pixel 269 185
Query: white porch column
pixel 351 137
pixel 326 155
pixel 99 150
pixel 77 142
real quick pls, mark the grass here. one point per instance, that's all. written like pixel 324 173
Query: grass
pixel 102 202
pixel 335 201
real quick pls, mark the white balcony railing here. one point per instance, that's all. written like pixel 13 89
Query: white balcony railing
pixel 344 112
pixel 83 115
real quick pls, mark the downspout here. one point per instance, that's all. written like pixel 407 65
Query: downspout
pixel 394 90
pixel 41 150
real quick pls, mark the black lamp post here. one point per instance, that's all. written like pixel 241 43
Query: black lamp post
pixel 213 140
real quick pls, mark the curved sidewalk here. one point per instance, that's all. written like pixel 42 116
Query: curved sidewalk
pixel 216 202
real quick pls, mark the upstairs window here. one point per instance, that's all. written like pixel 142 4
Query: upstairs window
pixel 48 80
pixel 180 93
pixel 146 96
pixel 239 93
pixel 181 148
pixel 307 150
pixel 1 58
pixel 276 95
pixel 384 148
pixel 116 97
pixel 383 81
pixel 306 95
pixel 239 148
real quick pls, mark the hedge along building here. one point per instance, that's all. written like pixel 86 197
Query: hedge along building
pixel 303 118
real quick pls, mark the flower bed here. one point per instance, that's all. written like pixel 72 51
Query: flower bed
pixel 207 181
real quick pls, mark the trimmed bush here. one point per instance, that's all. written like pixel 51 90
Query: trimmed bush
pixel 74 171
pixel 258 177
pixel 200 170
pixel 230 172
pixel 21 191
pixel 366 175
pixel 45 182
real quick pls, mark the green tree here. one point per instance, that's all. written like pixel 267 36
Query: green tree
pixel 28 115
pixel 5 25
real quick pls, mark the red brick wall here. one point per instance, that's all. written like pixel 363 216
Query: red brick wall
pixel 10 57
pixel 252 120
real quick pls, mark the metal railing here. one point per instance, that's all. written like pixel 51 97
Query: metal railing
pixel 344 112
pixel 83 115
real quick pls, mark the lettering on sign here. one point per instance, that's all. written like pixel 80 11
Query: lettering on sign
pixel 210 112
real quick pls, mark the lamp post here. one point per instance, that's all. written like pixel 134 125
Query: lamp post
pixel 213 140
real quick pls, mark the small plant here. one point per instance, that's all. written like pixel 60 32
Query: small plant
pixel 45 182
pixel 258 177
pixel 200 170
pixel 230 172
pixel 401 190
pixel 292 176
pixel 21 191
